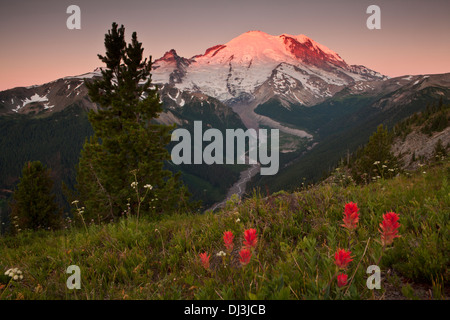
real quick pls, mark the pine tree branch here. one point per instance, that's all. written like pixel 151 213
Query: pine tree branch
pixel 103 189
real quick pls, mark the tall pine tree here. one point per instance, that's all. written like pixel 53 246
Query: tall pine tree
pixel 128 145
pixel 33 205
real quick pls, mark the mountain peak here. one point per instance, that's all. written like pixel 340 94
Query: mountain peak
pixel 294 66
pixel 170 55
pixel 256 31
pixel 261 47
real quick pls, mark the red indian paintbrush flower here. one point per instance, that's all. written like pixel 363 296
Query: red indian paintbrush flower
pixel 204 257
pixel 389 228
pixel 342 280
pixel 342 258
pixel 351 216
pixel 250 238
pixel 228 240
pixel 245 256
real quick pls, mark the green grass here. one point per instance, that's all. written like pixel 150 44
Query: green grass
pixel 298 234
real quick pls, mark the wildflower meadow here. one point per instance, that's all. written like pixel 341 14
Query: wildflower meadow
pixel 384 240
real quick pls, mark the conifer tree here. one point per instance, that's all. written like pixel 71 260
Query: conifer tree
pixel 439 150
pixel 33 205
pixel 128 145
pixel 376 159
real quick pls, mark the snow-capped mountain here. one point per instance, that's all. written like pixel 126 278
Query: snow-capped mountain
pixel 248 70
pixel 258 66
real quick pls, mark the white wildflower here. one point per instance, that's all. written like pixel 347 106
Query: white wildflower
pixel 14 273
pixel 148 186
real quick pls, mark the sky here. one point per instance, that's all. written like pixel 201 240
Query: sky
pixel 37 47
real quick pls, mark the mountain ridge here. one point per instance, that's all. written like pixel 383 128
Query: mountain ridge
pixel 247 71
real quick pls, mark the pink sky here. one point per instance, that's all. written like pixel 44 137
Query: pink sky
pixel 37 47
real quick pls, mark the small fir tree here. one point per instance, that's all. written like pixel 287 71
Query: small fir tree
pixel 376 159
pixel 439 150
pixel 33 205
